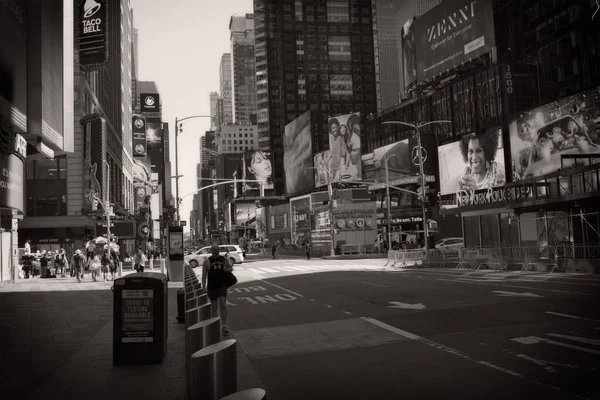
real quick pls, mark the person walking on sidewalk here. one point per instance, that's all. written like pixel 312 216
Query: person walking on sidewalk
pixel 77 264
pixel 105 262
pixel 215 269
pixel 307 249
pixel 94 263
pixel 274 249
pixel 139 261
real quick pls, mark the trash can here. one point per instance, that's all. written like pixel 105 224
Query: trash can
pixel 140 328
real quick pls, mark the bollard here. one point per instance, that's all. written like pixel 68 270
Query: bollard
pixel 198 314
pixel 199 336
pixel 196 301
pixel 248 394
pixel 180 306
pixel 151 264
pixel 162 266
pixel 214 371
pixel 120 269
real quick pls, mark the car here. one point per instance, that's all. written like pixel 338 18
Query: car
pixel 233 252
pixel 450 243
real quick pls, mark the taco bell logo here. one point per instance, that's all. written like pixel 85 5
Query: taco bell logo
pixel 90 8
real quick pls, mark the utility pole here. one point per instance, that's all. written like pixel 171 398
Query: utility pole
pixel 177 169
pixel 387 187
pixel 331 226
pixel 107 205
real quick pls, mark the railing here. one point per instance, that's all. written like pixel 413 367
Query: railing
pixel 497 258
pixel 578 251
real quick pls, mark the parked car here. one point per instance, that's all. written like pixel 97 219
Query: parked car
pixel 450 242
pixel 233 252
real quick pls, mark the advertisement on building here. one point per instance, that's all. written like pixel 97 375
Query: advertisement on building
pixel 297 155
pixel 550 138
pixel 409 54
pixel 93 32
pixel 300 211
pixel 140 148
pixel 471 166
pixel 13 151
pixel 150 102
pixel 257 166
pixel 453 33
pixel 245 218
pixel 94 157
pixel 344 163
pixel 355 223
pixel 155 143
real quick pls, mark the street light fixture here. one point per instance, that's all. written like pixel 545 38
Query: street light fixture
pixel 416 127
pixel 178 129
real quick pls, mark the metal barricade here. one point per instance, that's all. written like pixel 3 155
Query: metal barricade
pixel 414 256
pixel 391 257
pixel 536 256
pixel 248 394
pixel 469 258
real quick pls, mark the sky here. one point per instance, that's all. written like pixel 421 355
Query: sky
pixel 180 48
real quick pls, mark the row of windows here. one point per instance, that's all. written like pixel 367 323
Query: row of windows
pixel 240 135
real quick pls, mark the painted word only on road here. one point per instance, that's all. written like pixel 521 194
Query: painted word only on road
pixel 268 298
pixel 246 289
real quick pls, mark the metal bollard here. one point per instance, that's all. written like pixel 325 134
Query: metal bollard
pixel 248 394
pixel 196 301
pixel 198 314
pixel 120 269
pixel 199 336
pixel 151 264
pixel 162 266
pixel 214 371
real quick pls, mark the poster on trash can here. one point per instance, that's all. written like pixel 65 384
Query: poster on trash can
pixel 138 316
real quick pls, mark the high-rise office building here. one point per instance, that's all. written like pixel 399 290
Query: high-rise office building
pixel 244 74
pixel 59 208
pixel 311 55
pixel 236 138
pixel 214 110
pixel 225 88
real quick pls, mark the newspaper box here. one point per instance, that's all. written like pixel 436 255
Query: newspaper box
pixel 140 318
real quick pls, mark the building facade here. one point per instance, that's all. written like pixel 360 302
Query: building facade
pixel 244 74
pixel 58 208
pixel 226 89
pixel 235 138
pixel 311 55
pixel 214 110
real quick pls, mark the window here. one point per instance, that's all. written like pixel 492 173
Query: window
pixel 46 169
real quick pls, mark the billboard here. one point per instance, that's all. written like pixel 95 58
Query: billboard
pixel 155 145
pixel 93 32
pixel 257 166
pixel 150 102
pixel 94 155
pixel 139 136
pixel 409 54
pixel 142 181
pixel 297 155
pixel 344 162
pixel 13 54
pixel 475 162
pixel 453 33
pixel 245 216
pixel 540 138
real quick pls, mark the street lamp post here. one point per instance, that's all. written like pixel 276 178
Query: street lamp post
pixel 107 205
pixel 416 127
pixel 387 187
pixel 178 130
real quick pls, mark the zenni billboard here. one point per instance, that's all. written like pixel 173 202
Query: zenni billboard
pixel 452 33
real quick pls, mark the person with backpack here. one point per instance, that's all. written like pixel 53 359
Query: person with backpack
pixel 113 263
pixel 217 277
pixel 78 263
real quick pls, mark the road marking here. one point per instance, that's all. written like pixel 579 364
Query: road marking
pixel 373 284
pixel 391 328
pixel 572 316
pixel 535 340
pixel 327 305
pixel 347 312
pixel 295 268
pixel 256 271
pixel 593 342
pixel 397 304
pixel 518 287
pixel 514 294
pixel 282 288
pixel 269 270
pixel 230 303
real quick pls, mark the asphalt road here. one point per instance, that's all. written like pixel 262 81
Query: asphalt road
pixel 354 330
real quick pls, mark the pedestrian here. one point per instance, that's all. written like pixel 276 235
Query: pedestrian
pixel 139 261
pixel 307 249
pixel 274 249
pixel 216 269
pixel 105 265
pixel 44 265
pixel 114 262
pixel 77 264
pixel 60 263
pixel 95 264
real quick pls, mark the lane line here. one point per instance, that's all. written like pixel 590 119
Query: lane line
pixel 536 339
pixel 518 287
pixel 282 288
pixel 269 270
pixel 593 342
pixel 373 284
pixel 458 353
pixel 256 270
pixel 347 312
pixel 572 316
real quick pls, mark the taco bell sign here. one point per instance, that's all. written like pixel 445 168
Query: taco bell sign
pixel 93 32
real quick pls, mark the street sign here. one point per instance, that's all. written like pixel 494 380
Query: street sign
pixel 402 181
pixel 123 229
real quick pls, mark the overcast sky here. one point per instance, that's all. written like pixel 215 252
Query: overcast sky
pixel 180 47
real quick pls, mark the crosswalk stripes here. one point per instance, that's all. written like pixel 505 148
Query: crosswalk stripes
pixel 301 268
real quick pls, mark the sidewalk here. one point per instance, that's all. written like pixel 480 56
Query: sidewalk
pixel 56 342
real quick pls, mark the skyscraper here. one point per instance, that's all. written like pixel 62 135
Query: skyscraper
pixel 214 110
pixel 311 55
pixel 244 73
pixel 225 88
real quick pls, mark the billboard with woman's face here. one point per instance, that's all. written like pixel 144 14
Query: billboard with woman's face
pixel 345 162
pixel 257 166
pixel 540 138
pixel 473 163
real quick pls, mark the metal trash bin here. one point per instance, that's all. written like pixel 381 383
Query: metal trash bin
pixel 140 328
